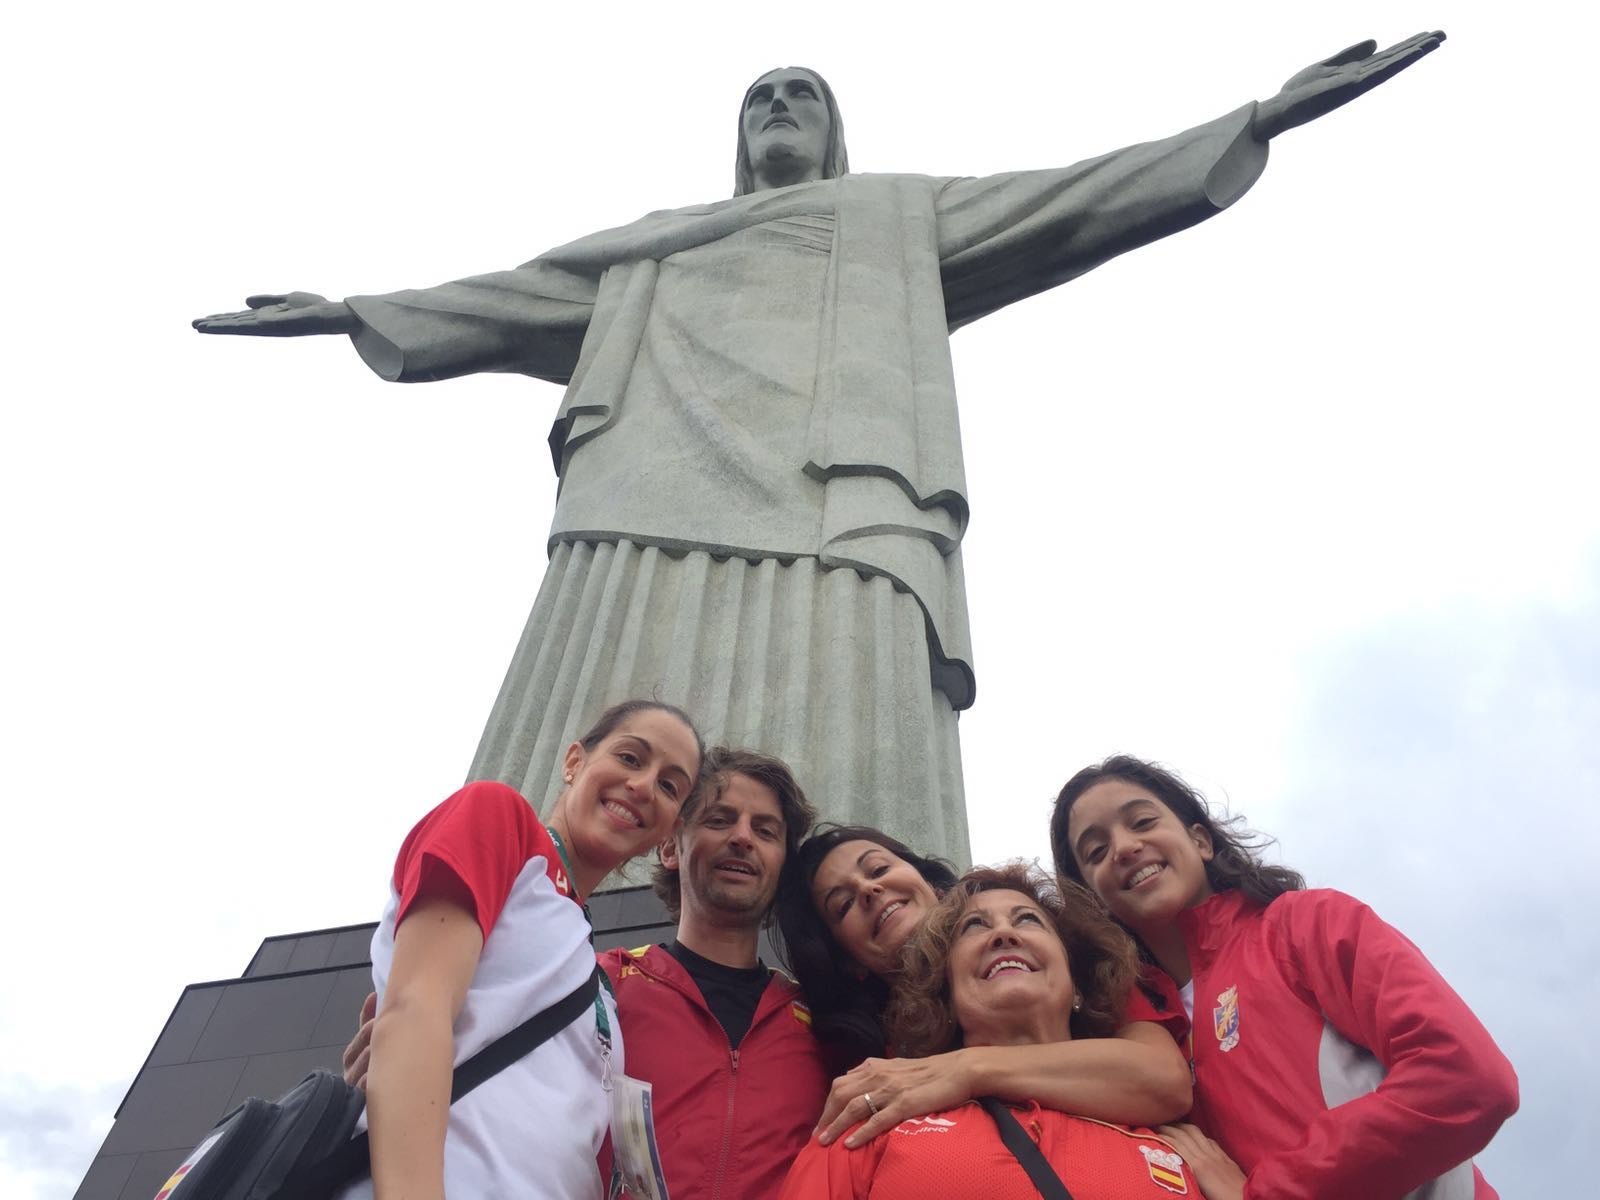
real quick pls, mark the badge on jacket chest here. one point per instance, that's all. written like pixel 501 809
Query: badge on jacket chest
pixel 1225 1017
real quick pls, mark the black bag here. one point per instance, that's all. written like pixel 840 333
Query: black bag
pixel 299 1147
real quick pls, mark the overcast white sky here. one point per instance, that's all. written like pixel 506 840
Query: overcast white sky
pixel 1301 502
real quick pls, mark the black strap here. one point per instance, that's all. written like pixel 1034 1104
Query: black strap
pixel 353 1160
pixel 1027 1153
pixel 525 1038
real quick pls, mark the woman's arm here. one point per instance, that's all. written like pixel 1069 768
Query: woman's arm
pixel 1446 1086
pixel 436 952
pixel 1138 1077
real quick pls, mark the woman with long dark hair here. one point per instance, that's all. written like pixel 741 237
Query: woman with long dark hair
pixel 850 899
pixel 1329 1057
pixel 1006 960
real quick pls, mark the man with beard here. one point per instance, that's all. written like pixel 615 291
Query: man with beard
pixel 725 1042
pixel 737 1079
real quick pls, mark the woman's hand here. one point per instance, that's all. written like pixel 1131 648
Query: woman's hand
pixel 357 1055
pixel 1218 1175
pixel 900 1088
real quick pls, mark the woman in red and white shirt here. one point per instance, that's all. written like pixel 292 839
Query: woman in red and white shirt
pixel 484 928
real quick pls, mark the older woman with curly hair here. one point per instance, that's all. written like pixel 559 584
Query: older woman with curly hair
pixel 850 899
pixel 1008 957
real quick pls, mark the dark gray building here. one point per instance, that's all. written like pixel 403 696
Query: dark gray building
pixel 292 1011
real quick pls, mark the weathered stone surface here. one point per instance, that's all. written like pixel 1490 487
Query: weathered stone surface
pixel 762 498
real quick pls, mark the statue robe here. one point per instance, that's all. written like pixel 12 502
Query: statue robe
pixel 761 496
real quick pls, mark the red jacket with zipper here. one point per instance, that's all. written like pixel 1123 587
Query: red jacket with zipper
pixel 1331 1059
pixel 728 1122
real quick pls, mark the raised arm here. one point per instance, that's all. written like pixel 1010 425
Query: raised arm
pixel 1138 1077
pixel 291 314
pixel 1326 85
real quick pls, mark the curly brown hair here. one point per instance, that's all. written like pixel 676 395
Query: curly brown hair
pixel 1100 955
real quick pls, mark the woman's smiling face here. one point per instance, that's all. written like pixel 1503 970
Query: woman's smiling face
pixel 1136 855
pixel 871 900
pixel 623 796
pixel 1010 982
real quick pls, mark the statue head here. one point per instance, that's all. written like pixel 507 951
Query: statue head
pixel 790 131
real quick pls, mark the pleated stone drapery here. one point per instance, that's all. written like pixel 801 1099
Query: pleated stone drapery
pixel 762 499
pixel 827 669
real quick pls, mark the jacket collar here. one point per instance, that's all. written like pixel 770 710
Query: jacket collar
pixel 660 966
pixel 1207 925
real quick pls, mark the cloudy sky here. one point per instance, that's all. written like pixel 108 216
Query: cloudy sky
pixel 1302 502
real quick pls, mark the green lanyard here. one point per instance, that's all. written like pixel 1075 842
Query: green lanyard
pixel 602 1023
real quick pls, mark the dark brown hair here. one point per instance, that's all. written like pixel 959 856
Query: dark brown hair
pixel 1100 956
pixel 1236 851
pixel 719 764
pixel 846 1007
pixel 614 716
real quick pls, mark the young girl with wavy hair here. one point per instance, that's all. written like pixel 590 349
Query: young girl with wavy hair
pixel 1329 1057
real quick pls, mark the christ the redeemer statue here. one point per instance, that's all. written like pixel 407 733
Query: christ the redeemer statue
pixel 761 496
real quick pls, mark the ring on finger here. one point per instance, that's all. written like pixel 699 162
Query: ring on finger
pixel 873 1108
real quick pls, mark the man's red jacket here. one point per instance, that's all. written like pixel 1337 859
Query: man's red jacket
pixel 728 1122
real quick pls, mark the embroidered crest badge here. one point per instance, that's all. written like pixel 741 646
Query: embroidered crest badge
pixel 1225 1016
pixel 1166 1169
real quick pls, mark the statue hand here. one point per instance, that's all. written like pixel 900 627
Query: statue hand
pixel 1324 86
pixel 292 315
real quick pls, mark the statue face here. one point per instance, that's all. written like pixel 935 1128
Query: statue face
pixel 786 128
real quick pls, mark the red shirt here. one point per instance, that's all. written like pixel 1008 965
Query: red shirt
pixel 959 1153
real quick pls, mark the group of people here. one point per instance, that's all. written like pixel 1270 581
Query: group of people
pixel 1165 1013
pixel 763 384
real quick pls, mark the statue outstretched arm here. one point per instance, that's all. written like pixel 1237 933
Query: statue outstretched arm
pixel 530 320
pixel 292 314
pixel 1326 85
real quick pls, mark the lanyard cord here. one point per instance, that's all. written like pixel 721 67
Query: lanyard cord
pixel 602 1022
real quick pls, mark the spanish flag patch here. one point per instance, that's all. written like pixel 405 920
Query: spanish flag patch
pixel 801 1012
pixel 1166 1169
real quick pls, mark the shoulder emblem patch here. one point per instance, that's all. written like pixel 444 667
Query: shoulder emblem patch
pixel 1166 1169
pixel 801 1012
pixel 1225 1017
